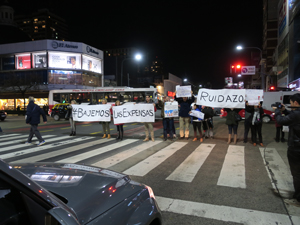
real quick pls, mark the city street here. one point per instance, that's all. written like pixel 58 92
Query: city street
pixel 194 183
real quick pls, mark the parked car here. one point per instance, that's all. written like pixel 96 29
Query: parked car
pixel 46 193
pixel 3 115
pixel 267 117
pixel 59 111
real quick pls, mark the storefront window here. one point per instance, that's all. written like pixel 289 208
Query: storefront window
pixel 65 77
pixel 12 104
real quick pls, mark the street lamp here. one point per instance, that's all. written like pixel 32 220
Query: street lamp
pixel 262 65
pixel 136 57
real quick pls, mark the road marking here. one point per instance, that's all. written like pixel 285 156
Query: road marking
pixel 145 166
pixel 96 132
pixel 7 135
pixel 62 151
pixel 233 169
pixel 64 128
pixel 87 125
pixel 115 159
pixel 18 141
pixel 281 173
pixel 187 170
pixel 223 213
pixel 14 137
pixel 44 147
pixel 97 151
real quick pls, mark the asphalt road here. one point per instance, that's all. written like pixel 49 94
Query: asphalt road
pixel 208 183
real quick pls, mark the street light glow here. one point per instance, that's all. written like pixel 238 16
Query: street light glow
pixel 239 47
pixel 138 57
pixel 185 80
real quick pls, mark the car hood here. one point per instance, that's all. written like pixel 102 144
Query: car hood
pixel 89 191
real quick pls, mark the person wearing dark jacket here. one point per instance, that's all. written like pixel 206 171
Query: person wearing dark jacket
pixel 167 122
pixel 33 114
pixel 247 125
pixel 232 123
pixel 256 114
pixel 184 118
pixel 197 123
pixel 292 119
pixel 208 121
pixel 70 115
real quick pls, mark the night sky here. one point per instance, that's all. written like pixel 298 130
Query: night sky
pixel 194 39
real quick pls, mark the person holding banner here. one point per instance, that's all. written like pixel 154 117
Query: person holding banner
pixel 184 117
pixel 167 122
pixel 197 123
pixel 105 125
pixel 70 115
pixel 232 123
pixel 208 121
pixel 119 126
pixel 149 126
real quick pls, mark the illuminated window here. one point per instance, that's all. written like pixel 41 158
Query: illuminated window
pixel 35 27
pixel 35 20
pixel 44 26
pixel 24 22
pixel 35 31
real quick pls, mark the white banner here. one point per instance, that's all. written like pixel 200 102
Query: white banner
pixel 222 98
pixel 254 96
pixel 133 113
pixel 183 91
pixel 89 113
pixel 197 114
pixel 171 109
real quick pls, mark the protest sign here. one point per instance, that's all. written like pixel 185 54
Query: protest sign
pixel 197 114
pixel 88 113
pixel 133 113
pixel 171 109
pixel 254 96
pixel 183 91
pixel 223 98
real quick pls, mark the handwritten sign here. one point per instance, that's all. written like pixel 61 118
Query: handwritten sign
pixel 88 113
pixel 171 109
pixel 197 114
pixel 133 113
pixel 254 96
pixel 183 91
pixel 223 98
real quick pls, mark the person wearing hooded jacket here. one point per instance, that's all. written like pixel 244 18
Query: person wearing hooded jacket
pixel 256 114
pixel 33 114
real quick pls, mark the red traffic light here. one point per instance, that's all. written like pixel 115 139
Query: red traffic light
pixel 238 66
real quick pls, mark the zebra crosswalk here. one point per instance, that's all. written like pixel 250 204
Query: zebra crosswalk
pixel 108 153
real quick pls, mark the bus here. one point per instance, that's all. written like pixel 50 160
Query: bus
pixel 94 96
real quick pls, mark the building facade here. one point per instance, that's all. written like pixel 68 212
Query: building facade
pixel 35 67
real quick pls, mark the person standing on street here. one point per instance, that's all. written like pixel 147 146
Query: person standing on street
pixel 33 114
pixel 184 117
pixel 105 125
pixel 232 123
pixel 149 125
pixel 208 121
pixel 292 119
pixel 70 115
pixel 119 126
pixel 257 113
pixel 197 123
pixel 167 122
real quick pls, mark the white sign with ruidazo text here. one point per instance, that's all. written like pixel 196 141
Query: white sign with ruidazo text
pixel 221 98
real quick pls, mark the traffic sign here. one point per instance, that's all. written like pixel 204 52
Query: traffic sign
pixel 248 70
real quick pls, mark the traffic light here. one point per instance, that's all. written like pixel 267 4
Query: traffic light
pixel 235 69
pixel 272 88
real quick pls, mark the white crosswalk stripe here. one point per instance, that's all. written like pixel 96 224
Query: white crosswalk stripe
pixel 97 151
pixel 233 170
pixel 115 159
pixel 189 168
pixel 3 138
pixel 13 141
pixel 8 135
pixel 144 167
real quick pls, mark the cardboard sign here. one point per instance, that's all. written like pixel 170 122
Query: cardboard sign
pixel 222 98
pixel 171 109
pixel 133 113
pixel 197 114
pixel 183 91
pixel 89 113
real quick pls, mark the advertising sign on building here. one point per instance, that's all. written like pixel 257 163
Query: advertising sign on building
pixel 295 85
pixel 23 62
pixel 92 64
pixel 39 60
pixel 64 60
